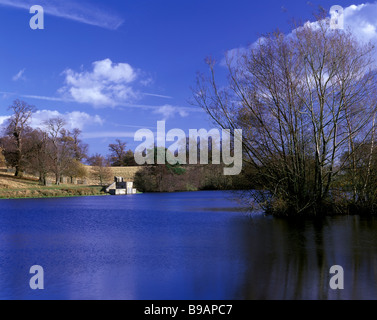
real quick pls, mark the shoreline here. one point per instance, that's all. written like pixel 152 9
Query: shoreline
pixel 28 187
pixel 51 192
pixel 70 192
pixel 54 197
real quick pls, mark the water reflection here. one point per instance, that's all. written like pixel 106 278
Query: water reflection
pixel 179 246
pixel 291 259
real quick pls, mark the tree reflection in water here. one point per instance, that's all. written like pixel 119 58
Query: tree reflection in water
pixel 291 259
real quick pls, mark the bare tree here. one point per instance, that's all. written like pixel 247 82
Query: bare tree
pixel 39 160
pixel 80 148
pixel 100 169
pixel 118 153
pixel 61 149
pixel 16 129
pixel 302 101
pixel 2 158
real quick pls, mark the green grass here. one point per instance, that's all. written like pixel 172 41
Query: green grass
pixel 51 192
pixel 28 187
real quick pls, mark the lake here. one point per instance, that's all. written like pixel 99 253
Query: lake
pixel 194 245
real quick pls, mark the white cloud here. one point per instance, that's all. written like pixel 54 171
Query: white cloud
pixel 107 85
pixel 19 75
pixel 147 82
pixel 108 134
pixel 3 122
pixel 168 111
pixel 7 95
pixel 79 11
pixel 359 19
pixel 3 119
pixel 157 95
pixel 75 119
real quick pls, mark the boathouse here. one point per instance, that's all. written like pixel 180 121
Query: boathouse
pixel 121 187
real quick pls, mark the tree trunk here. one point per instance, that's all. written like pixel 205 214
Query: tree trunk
pixel 57 179
pixel 19 173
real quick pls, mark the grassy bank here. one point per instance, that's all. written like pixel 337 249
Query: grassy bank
pixel 28 187
pixel 51 192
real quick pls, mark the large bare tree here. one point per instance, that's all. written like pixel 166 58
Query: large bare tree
pixel 118 153
pixel 61 147
pixel 39 160
pixel 18 125
pixel 306 103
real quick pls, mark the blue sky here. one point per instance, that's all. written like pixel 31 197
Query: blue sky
pixel 112 67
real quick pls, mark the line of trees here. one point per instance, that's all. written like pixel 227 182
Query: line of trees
pixel 51 149
pixel 54 150
pixel 307 105
pixel 189 177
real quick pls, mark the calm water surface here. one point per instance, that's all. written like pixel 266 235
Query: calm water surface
pixel 179 246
